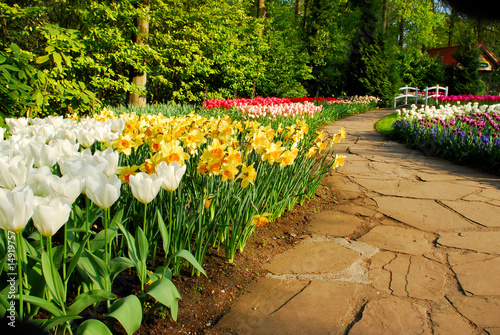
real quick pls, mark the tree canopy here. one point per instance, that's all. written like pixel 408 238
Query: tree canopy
pixel 60 55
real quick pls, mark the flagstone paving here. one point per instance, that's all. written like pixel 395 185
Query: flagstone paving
pixel 413 247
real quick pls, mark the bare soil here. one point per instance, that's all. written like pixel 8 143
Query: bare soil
pixel 206 299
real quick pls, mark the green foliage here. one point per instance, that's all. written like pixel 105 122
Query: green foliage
pixel 16 81
pixel 421 70
pixel 380 77
pixel 78 55
pixel 464 77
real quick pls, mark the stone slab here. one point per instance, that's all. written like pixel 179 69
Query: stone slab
pixel 321 257
pixel 264 297
pixel 479 212
pixel 481 277
pixel 343 187
pixel 398 239
pixel 416 189
pixel 422 214
pixel 398 269
pixel 333 223
pixel 483 241
pixel 391 316
pixel 446 323
pixel 482 311
pixel 318 308
pixel 426 279
pixel 356 209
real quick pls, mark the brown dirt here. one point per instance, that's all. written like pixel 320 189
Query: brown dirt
pixel 206 299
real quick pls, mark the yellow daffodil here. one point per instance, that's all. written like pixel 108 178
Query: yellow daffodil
pixel 339 161
pixel 173 152
pixel 260 220
pixel 248 175
pixel 288 156
pixel 124 144
pixel 124 172
pixel 272 152
pixel 229 171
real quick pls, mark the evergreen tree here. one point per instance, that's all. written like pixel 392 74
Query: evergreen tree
pixel 464 76
pixel 372 64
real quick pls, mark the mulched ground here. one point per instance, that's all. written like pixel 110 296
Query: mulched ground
pixel 206 299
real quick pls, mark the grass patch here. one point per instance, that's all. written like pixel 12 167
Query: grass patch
pixel 384 125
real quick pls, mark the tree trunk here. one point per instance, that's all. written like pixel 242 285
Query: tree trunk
pixel 297 8
pixel 261 9
pixel 385 15
pixel 453 16
pixel 139 78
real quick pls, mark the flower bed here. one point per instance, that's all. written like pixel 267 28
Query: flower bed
pixel 468 133
pixel 84 200
pixel 465 98
pixel 270 101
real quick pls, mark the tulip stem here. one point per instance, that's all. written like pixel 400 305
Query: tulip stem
pixel 144 222
pixel 105 223
pixel 170 223
pixel 20 273
pixel 64 251
pixel 87 222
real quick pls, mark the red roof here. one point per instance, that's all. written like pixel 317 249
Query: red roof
pixel 447 52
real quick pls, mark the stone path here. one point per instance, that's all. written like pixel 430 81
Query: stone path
pixel 413 247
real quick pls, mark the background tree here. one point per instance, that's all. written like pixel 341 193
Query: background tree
pixel 79 55
pixel 372 68
pixel 463 77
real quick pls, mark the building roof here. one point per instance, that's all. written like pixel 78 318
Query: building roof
pixel 448 59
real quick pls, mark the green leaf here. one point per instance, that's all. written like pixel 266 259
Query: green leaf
pixel 53 279
pixel 165 292
pixel 93 327
pixel 15 49
pixel 42 59
pixel 76 257
pixel 118 264
pixel 2 59
pixel 58 60
pixel 96 269
pixel 49 306
pixel 128 311
pixel 132 250
pixel 142 244
pixel 164 232
pixel 54 322
pixel 38 97
pixel 99 241
pixel 118 218
pixel 86 299
pixel 190 258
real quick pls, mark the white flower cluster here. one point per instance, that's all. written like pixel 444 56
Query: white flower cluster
pixel 30 187
pixel 444 112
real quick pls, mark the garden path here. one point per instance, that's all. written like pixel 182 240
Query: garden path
pixel 412 247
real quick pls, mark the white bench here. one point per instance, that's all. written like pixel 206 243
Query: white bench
pixel 413 93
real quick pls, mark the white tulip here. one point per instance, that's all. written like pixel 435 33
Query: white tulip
pixel 85 137
pixel 39 181
pixel 103 191
pixel 171 175
pixel 44 154
pixel 50 215
pixel 15 172
pixel 65 188
pixel 109 158
pixel 20 122
pixel 145 187
pixel 16 208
